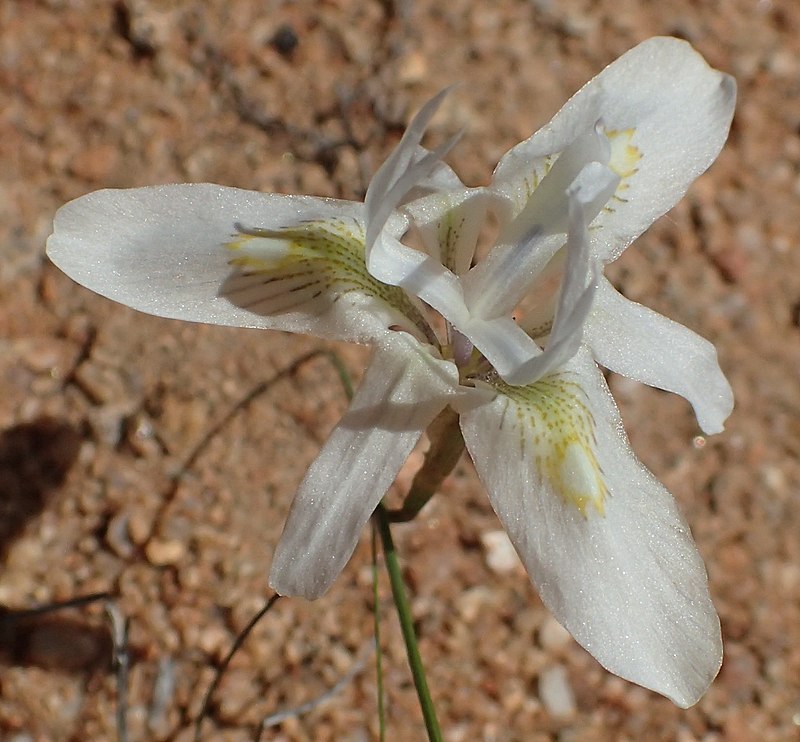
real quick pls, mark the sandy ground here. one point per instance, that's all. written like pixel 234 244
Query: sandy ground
pixel 100 406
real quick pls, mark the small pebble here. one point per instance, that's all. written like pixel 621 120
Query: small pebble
pixel 140 526
pixel 117 535
pixel 95 164
pixel 165 553
pixel 413 69
pixel 553 635
pixel 470 602
pixel 556 693
pixel 214 640
pixel 285 40
pixel 500 555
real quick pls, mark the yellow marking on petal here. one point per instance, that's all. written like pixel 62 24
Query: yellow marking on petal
pixel 540 170
pixel 264 252
pixel 328 254
pixel 624 161
pixel 625 156
pixel 557 428
pixel 580 478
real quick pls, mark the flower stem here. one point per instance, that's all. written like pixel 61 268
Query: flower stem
pixel 407 625
pixel 377 618
pixel 447 445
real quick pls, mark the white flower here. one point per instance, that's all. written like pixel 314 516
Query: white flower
pixel 601 538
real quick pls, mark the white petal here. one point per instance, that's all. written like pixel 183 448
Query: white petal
pixel 161 250
pixel 449 223
pixel 419 274
pixel 407 166
pixel 546 209
pixel 506 346
pixel 593 185
pixel 496 284
pixel 643 345
pixel 667 113
pixel 389 260
pixel 403 390
pixel 442 179
pixel 502 342
pixel 623 576
pixel 499 283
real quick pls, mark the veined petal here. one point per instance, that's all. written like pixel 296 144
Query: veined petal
pixel 592 186
pixel 514 355
pixel 601 538
pixel 316 271
pixel 497 285
pixel 643 345
pixel 546 207
pixel 504 344
pixel 404 389
pixel 161 250
pixel 501 341
pixel 420 275
pixel 449 223
pixel 666 114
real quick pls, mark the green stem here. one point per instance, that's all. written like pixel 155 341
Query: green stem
pixel 378 651
pixel 407 625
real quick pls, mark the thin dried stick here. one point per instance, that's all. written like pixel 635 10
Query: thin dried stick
pixel 195 453
pixel 17 615
pixel 121 662
pixel 237 643
pixel 279 717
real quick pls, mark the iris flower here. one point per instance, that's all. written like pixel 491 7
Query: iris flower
pixel 505 341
